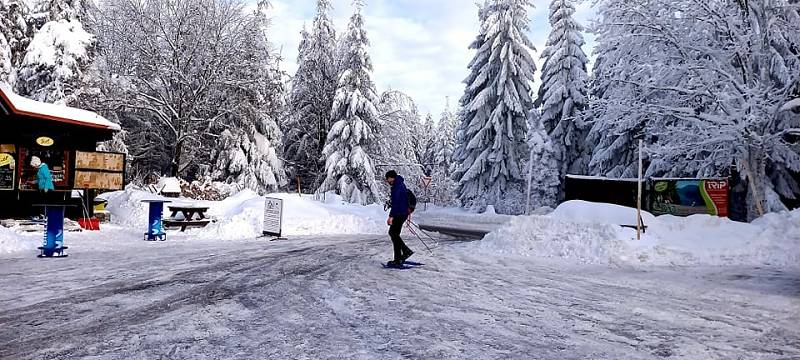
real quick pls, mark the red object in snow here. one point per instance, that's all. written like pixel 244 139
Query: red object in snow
pixel 89 224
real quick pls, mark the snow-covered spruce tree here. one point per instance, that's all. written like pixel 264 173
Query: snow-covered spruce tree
pixel 57 10
pixel 61 49
pixel 444 188
pixel 623 58
pixel 544 164
pixel 563 93
pixel 496 103
pixel 6 67
pixel 15 29
pixel 311 100
pixel 247 152
pixel 426 138
pixel 348 166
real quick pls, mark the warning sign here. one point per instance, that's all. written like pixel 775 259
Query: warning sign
pixel 426 181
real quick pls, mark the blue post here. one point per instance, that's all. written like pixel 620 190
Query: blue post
pixel 54 233
pixel 155 229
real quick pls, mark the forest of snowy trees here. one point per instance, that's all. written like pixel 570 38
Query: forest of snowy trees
pixel 711 88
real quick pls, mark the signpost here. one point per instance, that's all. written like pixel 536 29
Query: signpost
pixel 273 218
pixel 426 183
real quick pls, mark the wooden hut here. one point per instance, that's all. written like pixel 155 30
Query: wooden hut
pixel 62 137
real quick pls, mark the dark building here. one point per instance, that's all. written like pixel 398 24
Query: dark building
pixel 53 133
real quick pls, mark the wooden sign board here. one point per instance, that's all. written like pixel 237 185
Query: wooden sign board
pixel 99 180
pixel 100 161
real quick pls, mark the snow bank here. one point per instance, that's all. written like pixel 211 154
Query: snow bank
pixel 590 233
pixel 12 240
pixel 241 216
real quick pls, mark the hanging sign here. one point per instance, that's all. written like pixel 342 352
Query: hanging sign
pixel 45 141
pixel 273 217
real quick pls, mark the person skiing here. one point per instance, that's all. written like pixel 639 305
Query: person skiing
pixel 397 217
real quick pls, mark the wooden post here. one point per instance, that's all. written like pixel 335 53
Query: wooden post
pixel 298 187
pixel 639 196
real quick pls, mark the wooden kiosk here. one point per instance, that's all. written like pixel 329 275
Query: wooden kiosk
pixel 65 139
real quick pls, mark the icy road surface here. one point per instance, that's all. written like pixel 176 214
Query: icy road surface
pixel 328 298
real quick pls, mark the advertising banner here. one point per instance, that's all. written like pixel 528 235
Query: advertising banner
pixel 684 197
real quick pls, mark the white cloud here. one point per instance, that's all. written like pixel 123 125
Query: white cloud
pixel 419 47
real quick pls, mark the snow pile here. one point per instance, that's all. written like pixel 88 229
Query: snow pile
pixel 549 237
pixel 591 233
pixel 127 209
pixel 241 216
pixel 12 240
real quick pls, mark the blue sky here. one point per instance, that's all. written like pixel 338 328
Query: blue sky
pixel 417 46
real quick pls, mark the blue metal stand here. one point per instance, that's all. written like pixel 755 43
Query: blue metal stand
pixel 53 243
pixel 155 228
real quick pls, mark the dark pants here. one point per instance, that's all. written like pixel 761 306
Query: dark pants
pixel 400 247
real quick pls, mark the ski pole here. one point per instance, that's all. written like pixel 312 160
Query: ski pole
pixel 424 232
pixel 420 238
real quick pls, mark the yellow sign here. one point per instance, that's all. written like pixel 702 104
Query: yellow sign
pixel 45 141
pixel 6 159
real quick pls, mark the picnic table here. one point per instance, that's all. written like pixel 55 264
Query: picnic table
pixel 192 216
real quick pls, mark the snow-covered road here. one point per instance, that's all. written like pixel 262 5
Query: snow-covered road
pixel 328 298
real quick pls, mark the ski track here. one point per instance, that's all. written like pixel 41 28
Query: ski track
pixel 329 298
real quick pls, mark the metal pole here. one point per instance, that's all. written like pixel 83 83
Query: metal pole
pixel 639 196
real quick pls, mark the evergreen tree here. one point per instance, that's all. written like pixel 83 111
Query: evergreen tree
pixel 444 187
pixel 247 152
pixel 348 166
pixel 621 52
pixel 311 99
pixel 496 103
pixel 16 29
pixel 61 49
pixel 54 62
pixel 424 138
pixel 562 95
pixel 544 176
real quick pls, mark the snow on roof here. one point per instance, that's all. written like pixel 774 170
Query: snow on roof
pixel 169 185
pixel 24 106
pixel 591 177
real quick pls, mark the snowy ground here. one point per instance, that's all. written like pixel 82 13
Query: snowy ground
pixel 568 285
pixel 328 298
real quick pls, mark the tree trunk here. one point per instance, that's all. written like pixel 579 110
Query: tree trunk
pixel 755 168
pixel 176 160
